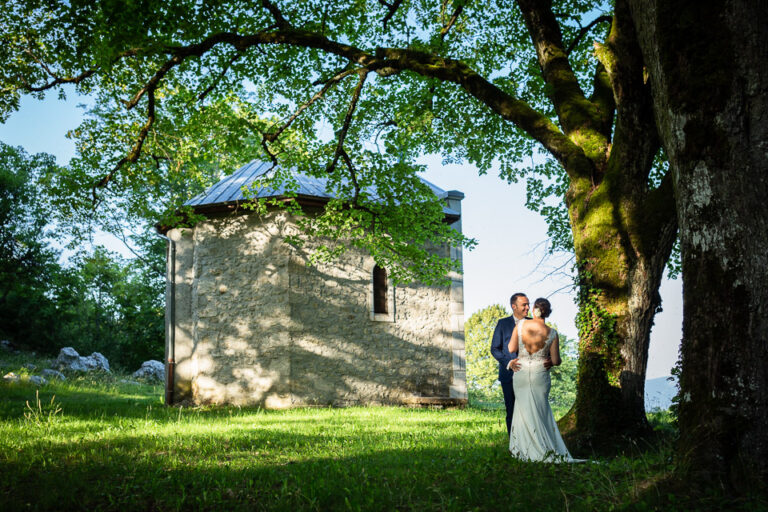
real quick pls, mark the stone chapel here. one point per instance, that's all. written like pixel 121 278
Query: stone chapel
pixel 249 322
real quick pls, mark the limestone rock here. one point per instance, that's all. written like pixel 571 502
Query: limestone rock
pixel 6 345
pixel 11 377
pixel 53 374
pixel 30 366
pixel 151 370
pixel 69 359
pixel 37 380
pixel 97 361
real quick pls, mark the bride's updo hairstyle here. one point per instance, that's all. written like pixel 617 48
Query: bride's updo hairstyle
pixel 543 306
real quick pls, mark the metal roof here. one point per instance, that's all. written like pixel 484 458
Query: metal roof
pixel 230 189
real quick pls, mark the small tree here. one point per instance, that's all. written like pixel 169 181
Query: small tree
pixel 482 368
pixel 27 263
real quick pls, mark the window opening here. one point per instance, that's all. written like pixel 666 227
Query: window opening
pixel 379 290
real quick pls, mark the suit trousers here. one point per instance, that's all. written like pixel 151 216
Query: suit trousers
pixel 509 401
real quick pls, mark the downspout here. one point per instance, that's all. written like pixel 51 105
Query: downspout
pixel 171 362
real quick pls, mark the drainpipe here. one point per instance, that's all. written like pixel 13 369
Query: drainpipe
pixel 171 362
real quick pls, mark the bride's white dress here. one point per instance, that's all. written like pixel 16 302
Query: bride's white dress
pixel 534 435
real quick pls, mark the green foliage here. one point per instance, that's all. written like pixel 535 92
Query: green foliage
pixel 562 394
pixel 221 104
pixel 676 374
pixel 27 263
pixel 597 326
pixel 675 263
pixel 482 367
pixel 114 306
pixel 96 302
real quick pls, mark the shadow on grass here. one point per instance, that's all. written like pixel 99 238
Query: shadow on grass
pixel 246 473
pixel 113 450
pixel 104 399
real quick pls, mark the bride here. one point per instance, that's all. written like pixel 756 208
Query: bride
pixel 534 434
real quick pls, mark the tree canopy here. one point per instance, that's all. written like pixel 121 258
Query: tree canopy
pixel 354 92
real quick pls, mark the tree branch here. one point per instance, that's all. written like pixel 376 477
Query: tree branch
pixel 136 151
pixel 57 80
pixel 452 20
pixel 576 113
pixel 353 176
pixel 392 8
pixel 271 137
pixel 584 30
pixel 602 97
pixel 276 14
pixel 363 74
pixel 385 62
pixel 216 80
pixel 624 64
pixel 158 158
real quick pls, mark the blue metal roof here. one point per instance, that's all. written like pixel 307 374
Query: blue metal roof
pixel 230 189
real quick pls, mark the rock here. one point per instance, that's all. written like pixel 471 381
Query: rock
pixel 37 380
pixel 6 345
pixel 151 370
pixel 132 382
pixel 96 361
pixel 11 377
pixel 53 374
pixel 69 359
pixel 30 366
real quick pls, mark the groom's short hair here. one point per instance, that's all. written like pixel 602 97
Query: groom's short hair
pixel 513 299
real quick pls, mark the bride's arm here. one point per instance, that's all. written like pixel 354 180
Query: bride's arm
pixel 554 351
pixel 513 345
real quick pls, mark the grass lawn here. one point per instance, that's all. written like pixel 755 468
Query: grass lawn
pixel 93 443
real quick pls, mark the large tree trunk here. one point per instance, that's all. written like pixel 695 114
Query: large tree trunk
pixel 624 228
pixel 707 63
pixel 622 247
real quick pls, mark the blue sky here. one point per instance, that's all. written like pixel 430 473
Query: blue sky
pixel 510 255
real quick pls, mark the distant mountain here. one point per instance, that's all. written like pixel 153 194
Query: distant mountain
pixel 659 393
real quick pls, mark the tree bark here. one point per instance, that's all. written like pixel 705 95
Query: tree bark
pixel 622 245
pixel 707 63
pixel 623 233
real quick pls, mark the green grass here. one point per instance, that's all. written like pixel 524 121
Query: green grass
pixel 93 443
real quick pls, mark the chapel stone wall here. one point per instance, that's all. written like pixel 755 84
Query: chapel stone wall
pixel 256 325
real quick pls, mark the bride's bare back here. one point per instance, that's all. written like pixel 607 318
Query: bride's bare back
pixel 535 336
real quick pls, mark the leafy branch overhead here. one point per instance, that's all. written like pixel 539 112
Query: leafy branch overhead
pixel 450 79
pixel 552 91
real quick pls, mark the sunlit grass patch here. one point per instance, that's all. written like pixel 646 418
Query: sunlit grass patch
pixel 114 446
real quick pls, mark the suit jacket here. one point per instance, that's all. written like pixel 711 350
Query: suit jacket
pixel 500 347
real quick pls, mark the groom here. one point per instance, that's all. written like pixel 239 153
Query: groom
pixel 500 350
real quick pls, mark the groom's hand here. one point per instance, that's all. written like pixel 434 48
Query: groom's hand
pixel 514 365
pixel 548 363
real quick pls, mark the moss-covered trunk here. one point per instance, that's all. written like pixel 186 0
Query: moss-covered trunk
pixel 622 243
pixel 622 220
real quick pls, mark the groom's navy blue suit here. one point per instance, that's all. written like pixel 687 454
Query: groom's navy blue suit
pixel 500 350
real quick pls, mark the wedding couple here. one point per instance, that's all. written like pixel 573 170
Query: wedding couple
pixel 526 349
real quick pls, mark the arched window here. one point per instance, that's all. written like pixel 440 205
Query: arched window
pixel 379 290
